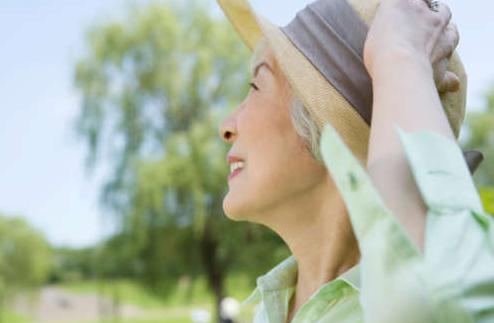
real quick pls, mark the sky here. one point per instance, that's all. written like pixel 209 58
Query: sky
pixel 42 172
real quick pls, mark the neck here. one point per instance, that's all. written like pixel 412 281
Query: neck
pixel 317 230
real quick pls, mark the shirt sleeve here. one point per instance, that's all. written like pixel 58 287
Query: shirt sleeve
pixel 453 280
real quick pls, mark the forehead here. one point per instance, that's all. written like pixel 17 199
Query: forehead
pixel 263 54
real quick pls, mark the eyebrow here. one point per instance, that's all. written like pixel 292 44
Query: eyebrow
pixel 261 64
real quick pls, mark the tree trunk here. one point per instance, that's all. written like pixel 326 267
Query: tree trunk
pixel 214 270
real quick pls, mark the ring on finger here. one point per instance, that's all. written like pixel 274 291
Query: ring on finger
pixel 433 5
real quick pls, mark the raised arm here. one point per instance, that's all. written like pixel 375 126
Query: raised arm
pixel 406 53
pixel 416 177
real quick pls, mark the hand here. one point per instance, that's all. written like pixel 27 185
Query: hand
pixel 408 28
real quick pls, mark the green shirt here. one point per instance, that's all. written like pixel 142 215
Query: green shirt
pixel 452 281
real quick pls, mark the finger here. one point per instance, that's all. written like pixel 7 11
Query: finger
pixel 443 13
pixel 454 34
pixel 440 69
pixel 450 83
pixel 447 43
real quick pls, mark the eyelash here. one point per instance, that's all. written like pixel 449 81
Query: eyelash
pixel 254 86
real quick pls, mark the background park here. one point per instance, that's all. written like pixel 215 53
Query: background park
pixel 112 173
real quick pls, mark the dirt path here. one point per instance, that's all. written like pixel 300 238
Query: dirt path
pixel 58 305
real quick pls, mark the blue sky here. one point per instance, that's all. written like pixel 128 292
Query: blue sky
pixel 42 175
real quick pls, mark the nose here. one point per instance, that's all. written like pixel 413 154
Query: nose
pixel 228 129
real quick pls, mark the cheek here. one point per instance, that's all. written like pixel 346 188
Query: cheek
pixel 281 175
pixel 271 143
pixel 284 167
pixel 278 167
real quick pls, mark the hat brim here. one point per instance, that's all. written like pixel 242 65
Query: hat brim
pixel 322 100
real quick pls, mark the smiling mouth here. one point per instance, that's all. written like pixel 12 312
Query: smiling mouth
pixel 235 168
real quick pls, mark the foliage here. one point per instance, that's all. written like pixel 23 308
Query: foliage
pixel 72 265
pixel 480 129
pixel 487 196
pixel 25 261
pixel 480 126
pixel 150 75
pixel 154 88
pixel 25 256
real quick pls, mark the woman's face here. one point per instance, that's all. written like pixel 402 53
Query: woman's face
pixel 276 166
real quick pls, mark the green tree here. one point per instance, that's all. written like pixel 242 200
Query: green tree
pixel 480 130
pixel 487 196
pixel 70 264
pixel 154 88
pixel 25 257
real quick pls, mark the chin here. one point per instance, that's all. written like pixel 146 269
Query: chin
pixel 232 209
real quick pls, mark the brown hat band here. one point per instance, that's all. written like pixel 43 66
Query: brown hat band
pixel 331 35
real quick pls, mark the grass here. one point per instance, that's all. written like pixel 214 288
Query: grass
pixel 127 291
pixel 12 317
pixel 177 307
pixel 170 315
pixel 132 292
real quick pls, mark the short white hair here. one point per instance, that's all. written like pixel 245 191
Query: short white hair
pixel 306 128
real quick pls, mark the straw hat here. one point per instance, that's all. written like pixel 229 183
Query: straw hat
pixel 333 84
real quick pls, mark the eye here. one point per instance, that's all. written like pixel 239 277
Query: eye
pixel 254 86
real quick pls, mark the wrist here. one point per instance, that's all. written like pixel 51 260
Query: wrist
pixel 397 60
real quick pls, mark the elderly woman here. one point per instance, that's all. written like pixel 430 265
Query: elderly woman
pixel 404 239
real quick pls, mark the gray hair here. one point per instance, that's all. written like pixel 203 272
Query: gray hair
pixel 306 128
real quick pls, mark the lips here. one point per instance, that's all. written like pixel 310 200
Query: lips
pixel 234 173
pixel 235 168
pixel 237 164
pixel 233 159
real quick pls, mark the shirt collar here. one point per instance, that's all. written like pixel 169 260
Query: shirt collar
pixel 284 275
